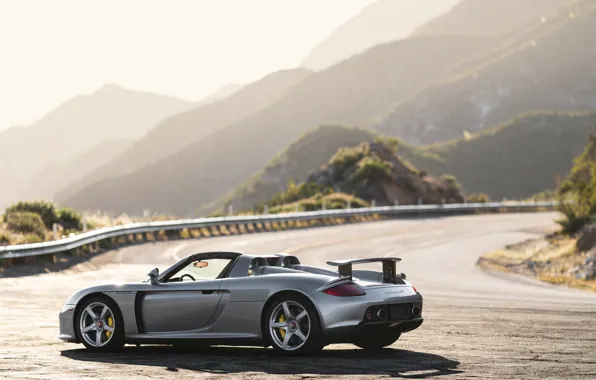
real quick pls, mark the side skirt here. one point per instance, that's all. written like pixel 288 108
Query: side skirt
pixel 131 339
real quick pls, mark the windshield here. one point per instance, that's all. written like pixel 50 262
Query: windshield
pixel 206 269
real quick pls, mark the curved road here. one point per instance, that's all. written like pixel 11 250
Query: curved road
pixel 476 324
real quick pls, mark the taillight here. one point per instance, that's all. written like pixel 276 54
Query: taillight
pixel 415 290
pixel 345 290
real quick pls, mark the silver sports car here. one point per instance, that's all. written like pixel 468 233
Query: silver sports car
pixel 230 298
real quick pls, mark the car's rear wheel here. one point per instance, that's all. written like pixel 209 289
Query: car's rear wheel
pixel 377 342
pixel 291 326
pixel 99 325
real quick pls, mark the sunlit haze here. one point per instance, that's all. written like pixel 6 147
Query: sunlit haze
pixel 53 50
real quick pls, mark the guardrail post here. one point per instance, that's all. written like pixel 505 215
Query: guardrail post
pixel 396 203
pixel 349 205
pixel 419 201
pixel 55 231
pixel 266 210
pixel 373 203
pixel 230 210
pixel 84 225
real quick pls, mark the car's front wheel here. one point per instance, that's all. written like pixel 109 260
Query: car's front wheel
pixel 291 326
pixel 377 342
pixel 99 325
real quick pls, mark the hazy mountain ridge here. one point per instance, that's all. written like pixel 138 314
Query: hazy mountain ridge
pixel 553 70
pixel 352 92
pixel 78 124
pixel 57 176
pixel 380 22
pixel 176 132
pixel 486 17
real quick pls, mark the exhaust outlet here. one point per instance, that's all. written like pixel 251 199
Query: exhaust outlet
pixel 381 313
pixel 416 311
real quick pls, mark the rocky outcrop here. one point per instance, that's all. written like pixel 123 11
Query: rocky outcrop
pixel 372 171
pixel 586 240
pixel 586 271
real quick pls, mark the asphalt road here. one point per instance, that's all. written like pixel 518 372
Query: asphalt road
pixel 477 324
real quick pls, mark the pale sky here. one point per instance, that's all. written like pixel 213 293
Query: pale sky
pixel 53 50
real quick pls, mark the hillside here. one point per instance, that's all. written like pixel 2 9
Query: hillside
pixel 380 22
pixel 551 71
pixel 485 17
pixel 295 163
pixel 57 176
pixel 351 93
pixel 522 157
pixel 178 131
pixel 75 126
pixel 220 93
pixel 516 160
pixel 368 172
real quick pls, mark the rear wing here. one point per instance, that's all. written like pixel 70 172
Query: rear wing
pixel 389 267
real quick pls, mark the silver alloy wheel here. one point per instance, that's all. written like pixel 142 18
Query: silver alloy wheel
pixel 94 325
pixel 289 325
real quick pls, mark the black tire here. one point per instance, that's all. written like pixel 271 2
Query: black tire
pixel 112 341
pixel 295 302
pixel 376 342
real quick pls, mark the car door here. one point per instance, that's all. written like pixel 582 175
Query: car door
pixel 177 307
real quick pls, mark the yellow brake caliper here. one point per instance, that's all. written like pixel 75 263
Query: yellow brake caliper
pixel 282 318
pixel 111 324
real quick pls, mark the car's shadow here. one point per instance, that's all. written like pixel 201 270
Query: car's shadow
pixel 331 362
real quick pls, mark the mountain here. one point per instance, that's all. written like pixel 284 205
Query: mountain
pixel 368 172
pixel 351 93
pixel 553 70
pixel 517 159
pixel 183 129
pixel 380 22
pixel 221 93
pixel 485 17
pixel 521 157
pixel 75 126
pixel 57 176
pixel 296 162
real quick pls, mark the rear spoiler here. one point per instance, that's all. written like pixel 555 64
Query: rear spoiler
pixel 389 267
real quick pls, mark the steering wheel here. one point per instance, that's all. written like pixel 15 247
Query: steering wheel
pixel 186 274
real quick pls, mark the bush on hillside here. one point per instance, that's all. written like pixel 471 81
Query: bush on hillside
pixel 370 169
pixel 346 157
pixel 580 188
pixel 46 210
pixel 478 198
pixel 295 192
pixel 26 223
pixel 69 219
pixel 5 238
pixel 451 180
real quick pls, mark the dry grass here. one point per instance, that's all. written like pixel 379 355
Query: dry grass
pixel 546 259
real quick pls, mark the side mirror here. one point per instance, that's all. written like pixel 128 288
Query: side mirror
pixel 153 276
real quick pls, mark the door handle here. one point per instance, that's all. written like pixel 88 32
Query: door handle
pixel 207 291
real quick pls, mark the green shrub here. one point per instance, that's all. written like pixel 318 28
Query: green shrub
pixel 69 219
pixel 5 238
pixel 31 238
pixel 571 222
pixel 371 168
pixel 26 223
pixel 580 188
pixel 345 157
pixel 478 198
pixel 46 210
pixel 451 180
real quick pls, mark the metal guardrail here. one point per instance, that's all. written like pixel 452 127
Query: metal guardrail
pixel 81 239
